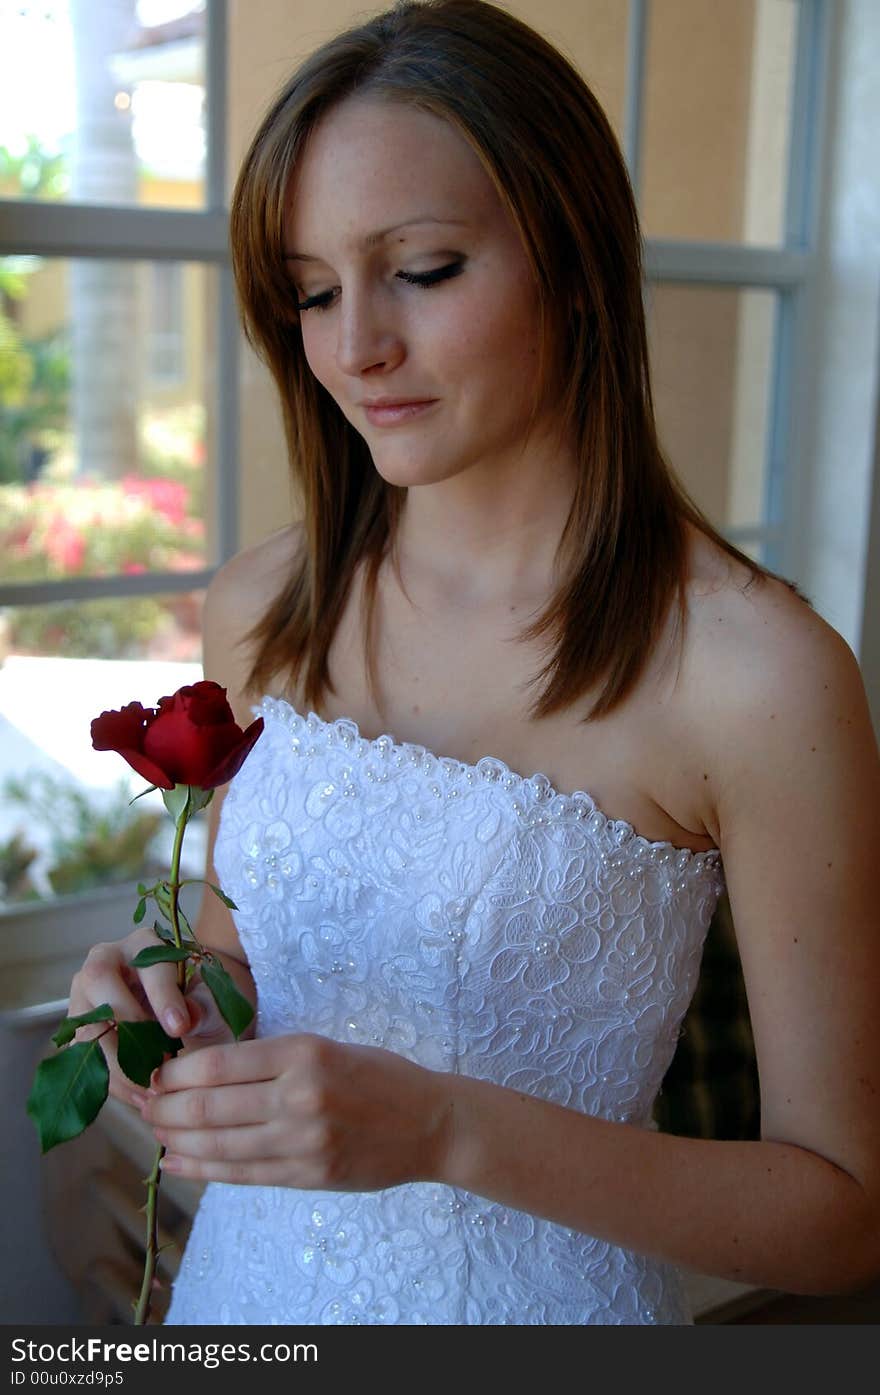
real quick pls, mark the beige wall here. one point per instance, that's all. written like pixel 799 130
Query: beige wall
pixel 715 107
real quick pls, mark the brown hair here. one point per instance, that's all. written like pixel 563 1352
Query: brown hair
pixel 556 164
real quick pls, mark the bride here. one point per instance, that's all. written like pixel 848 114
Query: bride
pixel 527 714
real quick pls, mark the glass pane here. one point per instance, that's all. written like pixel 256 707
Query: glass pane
pixel 103 428
pixel 66 826
pixel 711 360
pixel 103 101
pixel 717 120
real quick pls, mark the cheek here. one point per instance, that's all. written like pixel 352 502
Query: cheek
pixel 501 345
pixel 316 349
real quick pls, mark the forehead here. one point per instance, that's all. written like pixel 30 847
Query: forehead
pixel 371 164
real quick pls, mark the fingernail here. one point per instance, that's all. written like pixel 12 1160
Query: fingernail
pixel 174 1021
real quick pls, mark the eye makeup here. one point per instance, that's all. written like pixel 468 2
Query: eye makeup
pixel 423 279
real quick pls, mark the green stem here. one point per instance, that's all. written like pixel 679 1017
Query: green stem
pixel 174 886
pixel 142 1310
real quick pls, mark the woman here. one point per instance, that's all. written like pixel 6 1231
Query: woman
pixel 470 982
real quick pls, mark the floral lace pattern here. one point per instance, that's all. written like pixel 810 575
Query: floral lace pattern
pixel 474 921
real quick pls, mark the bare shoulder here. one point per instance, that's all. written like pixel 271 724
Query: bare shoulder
pixel 249 581
pixel 240 593
pixel 755 640
pixel 770 682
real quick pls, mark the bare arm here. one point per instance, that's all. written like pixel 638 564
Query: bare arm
pixel 796 777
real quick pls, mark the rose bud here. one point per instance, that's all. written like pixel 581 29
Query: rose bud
pixel 191 738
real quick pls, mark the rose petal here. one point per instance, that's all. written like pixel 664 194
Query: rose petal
pixel 123 731
pixel 235 759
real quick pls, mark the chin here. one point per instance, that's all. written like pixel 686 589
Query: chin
pixel 412 472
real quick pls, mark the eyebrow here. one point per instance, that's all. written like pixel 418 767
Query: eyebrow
pixel 374 238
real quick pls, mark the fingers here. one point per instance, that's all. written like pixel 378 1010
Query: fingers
pixel 250 1143
pixel 207 1024
pixel 229 1105
pixel 229 1063
pixel 268 1172
pixel 100 980
pixel 135 995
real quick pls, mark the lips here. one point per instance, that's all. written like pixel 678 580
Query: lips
pixel 397 401
pixel 393 413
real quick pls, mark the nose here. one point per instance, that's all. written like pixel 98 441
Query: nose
pixel 368 337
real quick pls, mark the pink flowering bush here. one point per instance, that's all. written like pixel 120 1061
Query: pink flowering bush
pixel 87 527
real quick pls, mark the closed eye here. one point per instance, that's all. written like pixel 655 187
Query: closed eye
pixel 424 279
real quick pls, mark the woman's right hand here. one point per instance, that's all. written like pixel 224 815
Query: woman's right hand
pixel 140 995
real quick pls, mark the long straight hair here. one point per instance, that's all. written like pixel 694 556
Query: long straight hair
pixel 547 145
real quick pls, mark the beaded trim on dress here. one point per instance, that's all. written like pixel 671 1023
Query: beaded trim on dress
pixel 541 802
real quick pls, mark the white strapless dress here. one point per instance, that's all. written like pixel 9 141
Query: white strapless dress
pixel 474 921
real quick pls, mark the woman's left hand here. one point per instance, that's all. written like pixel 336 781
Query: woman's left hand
pixel 300 1111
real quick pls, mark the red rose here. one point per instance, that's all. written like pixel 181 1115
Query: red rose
pixel 191 738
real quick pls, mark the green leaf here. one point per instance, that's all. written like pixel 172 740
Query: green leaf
pixel 177 802
pixel 227 900
pixel 234 1007
pixel 158 954
pixel 140 911
pixel 68 1092
pixel 148 790
pixel 164 932
pixel 67 1031
pixel 163 900
pixel 142 1047
pixel 142 890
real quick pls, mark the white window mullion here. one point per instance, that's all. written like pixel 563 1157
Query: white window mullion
pixel 634 91
pixel 92 588
pixel 724 263
pixel 808 122
pixel 217 97
pixel 93 230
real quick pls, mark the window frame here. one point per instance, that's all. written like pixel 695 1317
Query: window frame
pixel 81 230
pixel 789 270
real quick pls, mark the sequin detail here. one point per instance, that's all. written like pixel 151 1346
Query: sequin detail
pixel 474 921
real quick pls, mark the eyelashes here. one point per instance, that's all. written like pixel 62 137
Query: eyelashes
pixel 424 279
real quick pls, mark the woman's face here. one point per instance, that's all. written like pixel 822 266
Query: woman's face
pixel 469 341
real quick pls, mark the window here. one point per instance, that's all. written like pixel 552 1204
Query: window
pixel 118 434
pixel 168 325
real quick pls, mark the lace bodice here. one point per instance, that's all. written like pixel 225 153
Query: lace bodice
pixel 475 921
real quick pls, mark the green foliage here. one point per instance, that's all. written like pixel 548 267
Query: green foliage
pixel 227 900
pixel 142 1046
pixel 68 1092
pixel 16 375
pixel 34 173
pixel 91 845
pixel 102 629
pixel 34 390
pixel 68 1029
pixel 159 954
pixel 235 1009
pixel 16 856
